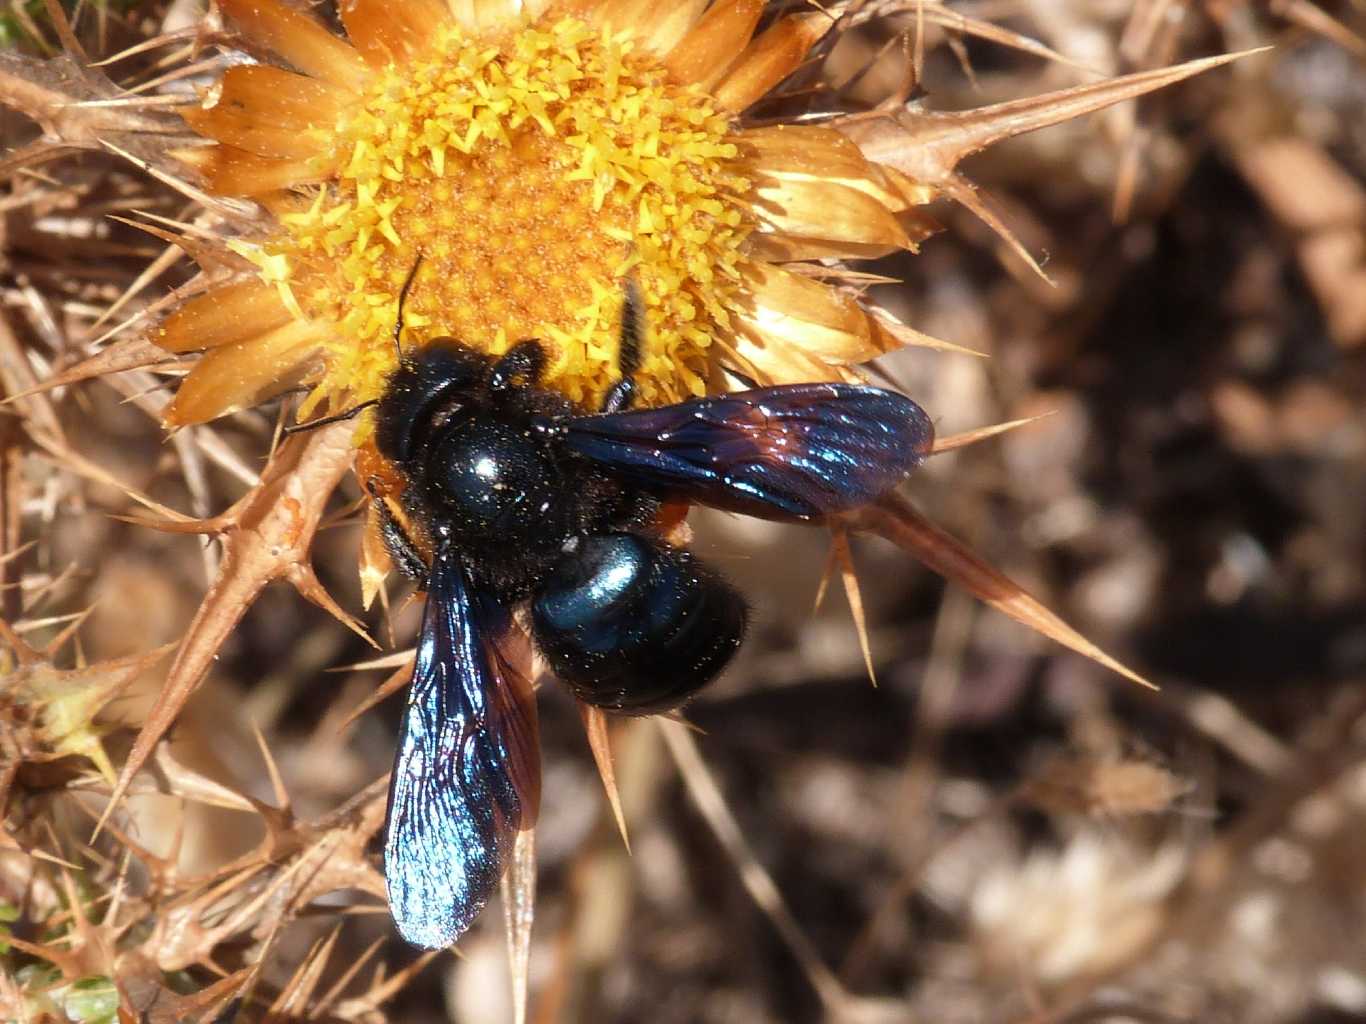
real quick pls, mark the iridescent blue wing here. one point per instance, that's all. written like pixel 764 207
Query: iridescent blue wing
pixel 467 773
pixel 799 451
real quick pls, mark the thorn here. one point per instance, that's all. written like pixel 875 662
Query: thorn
pixel 397 681
pixel 843 556
pixel 945 444
pixel 827 574
pixel 306 581
pixel 894 518
pixel 903 335
pixel 595 725
pixel 928 147
pixel 277 784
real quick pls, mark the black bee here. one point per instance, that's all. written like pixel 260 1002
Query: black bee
pixel 524 499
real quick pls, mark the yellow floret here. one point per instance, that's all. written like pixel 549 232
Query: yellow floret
pixel 531 177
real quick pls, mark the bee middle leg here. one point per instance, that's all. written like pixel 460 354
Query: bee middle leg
pixel 622 395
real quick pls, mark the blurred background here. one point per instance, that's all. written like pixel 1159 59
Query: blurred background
pixel 999 830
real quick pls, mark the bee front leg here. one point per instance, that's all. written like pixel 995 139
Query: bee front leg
pixel 402 550
pixel 520 364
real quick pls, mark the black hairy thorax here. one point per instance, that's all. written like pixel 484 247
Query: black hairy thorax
pixel 485 471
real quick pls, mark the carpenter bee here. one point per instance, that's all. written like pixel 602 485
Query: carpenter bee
pixel 525 500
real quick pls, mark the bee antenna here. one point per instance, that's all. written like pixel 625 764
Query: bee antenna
pixel 323 421
pixel 402 298
pixel 632 328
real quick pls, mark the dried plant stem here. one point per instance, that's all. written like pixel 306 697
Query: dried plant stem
pixel 519 910
pixel 839 1003
pixel 266 537
pixel 952 632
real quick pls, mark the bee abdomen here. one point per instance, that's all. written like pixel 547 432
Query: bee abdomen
pixel 633 625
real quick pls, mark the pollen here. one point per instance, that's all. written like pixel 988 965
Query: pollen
pixel 530 175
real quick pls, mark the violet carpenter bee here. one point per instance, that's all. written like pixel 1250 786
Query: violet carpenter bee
pixel 525 499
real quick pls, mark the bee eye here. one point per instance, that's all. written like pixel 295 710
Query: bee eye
pixel 423 395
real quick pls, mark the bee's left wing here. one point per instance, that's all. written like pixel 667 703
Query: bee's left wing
pixel 798 451
pixel 467 773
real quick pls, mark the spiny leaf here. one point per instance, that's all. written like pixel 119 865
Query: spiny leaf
pixel 129 354
pixel 929 146
pixel 897 520
pixel 66 702
pixel 272 530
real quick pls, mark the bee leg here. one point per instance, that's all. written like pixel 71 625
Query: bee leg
pixel 620 397
pixel 401 547
pixel 622 394
pixel 520 364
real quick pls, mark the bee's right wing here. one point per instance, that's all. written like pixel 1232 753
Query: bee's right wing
pixel 798 451
pixel 467 772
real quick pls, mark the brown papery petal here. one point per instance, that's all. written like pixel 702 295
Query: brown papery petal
pixel 492 15
pixel 823 209
pixel 230 171
pixel 915 193
pixel 771 58
pixel 670 24
pixel 774 247
pixel 788 352
pixel 812 316
pixel 821 154
pixel 239 376
pixel 769 360
pixel 708 51
pixel 642 18
pixel 270 112
pixel 300 40
pixel 388 32
pixel 235 312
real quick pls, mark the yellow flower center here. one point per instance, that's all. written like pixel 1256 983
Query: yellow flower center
pixel 533 174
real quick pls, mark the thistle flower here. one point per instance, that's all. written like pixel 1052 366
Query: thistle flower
pixel 533 158
pixel 527 158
